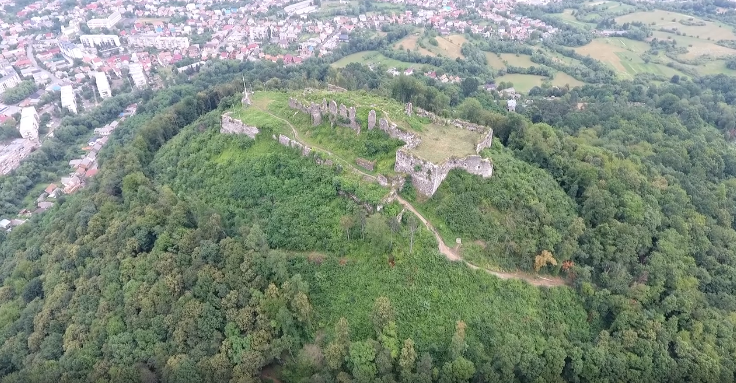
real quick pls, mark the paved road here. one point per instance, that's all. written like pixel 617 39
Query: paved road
pixel 29 52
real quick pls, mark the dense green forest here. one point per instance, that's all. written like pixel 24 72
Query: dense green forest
pixel 195 256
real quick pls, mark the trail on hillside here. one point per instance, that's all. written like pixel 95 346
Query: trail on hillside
pixel 449 253
pixel 453 256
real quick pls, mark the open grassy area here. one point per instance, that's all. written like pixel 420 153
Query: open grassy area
pixel 561 79
pixel 613 6
pixel 664 19
pixel 518 60
pixel 494 61
pixel 439 143
pixel 522 82
pixel 411 43
pixel 624 56
pixel 696 47
pixel 451 45
pixel 372 58
pixel 568 18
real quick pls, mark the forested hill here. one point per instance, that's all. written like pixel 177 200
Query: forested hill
pixel 196 256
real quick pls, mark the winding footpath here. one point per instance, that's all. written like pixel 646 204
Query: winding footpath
pixel 449 253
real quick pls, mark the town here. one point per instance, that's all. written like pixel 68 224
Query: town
pixel 59 59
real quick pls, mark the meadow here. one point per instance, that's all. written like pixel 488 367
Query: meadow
pixel 663 19
pixel 371 58
pixel 561 79
pixel 522 82
pixel 494 61
pixel 411 43
pixel 518 60
pixel 695 47
pixel 439 143
pixel 624 56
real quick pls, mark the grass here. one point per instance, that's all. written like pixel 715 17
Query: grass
pixel 522 82
pixel 518 60
pixel 439 143
pixel 568 18
pixel 624 56
pixel 561 79
pixel 451 45
pixel 663 19
pixel 696 47
pixel 371 58
pixel 411 43
pixel 494 61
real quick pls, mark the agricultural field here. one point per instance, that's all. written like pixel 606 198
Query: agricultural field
pixel 613 6
pixel 624 56
pixel 518 60
pixel 696 47
pixel 447 46
pixel 372 58
pixel 569 18
pixel 411 43
pixel 561 79
pixel 494 61
pixel 522 82
pixel 664 19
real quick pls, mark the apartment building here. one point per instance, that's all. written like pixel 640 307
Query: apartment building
pixel 137 75
pixel 103 86
pixel 9 78
pixel 93 41
pixel 68 100
pixel 108 22
pixel 29 123
pixel 158 42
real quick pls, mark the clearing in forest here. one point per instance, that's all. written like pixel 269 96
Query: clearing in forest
pixel 450 46
pixel 518 60
pixel 371 58
pixel 522 82
pixel 695 47
pixel 495 62
pixel 440 142
pixel 411 43
pixel 561 79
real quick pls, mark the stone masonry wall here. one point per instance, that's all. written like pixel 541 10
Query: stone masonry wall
pixel 426 176
pixel 286 141
pixel 486 142
pixel 233 126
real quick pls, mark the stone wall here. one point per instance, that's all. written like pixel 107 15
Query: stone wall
pixel 316 111
pixel 234 126
pixel 286 141
pixel 486 142
pixel 365 164
pixel 411 140
pixel 426 176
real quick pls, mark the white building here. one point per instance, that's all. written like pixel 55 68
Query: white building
pixel 102 85
pixel 93 41
pixel 68 100
pixel 137 75
pixel 71 30
pixel 70 51
pixel 9 78
pixel 29 123
pixel 158 42
pixel 300 8
pixel 108 22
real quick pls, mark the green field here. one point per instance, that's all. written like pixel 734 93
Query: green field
pixel 439 143
pixel 561 79
pixel 568 18
pixel 696 47
pixel 522 82
pixel 372 58
pixel 494 61
pixel 518 60
pixel 664 19
pixel 624 56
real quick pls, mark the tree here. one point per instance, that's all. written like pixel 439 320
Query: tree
pixel 407 360
pixel 543 259
pixel 378 232
pixel 469 86
pixel 382 314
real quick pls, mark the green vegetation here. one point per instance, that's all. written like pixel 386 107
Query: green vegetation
pixel 522 82
pixel 371 58
pixel 19 92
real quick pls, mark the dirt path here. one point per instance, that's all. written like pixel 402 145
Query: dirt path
pixel 449 253
pixel 453 256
